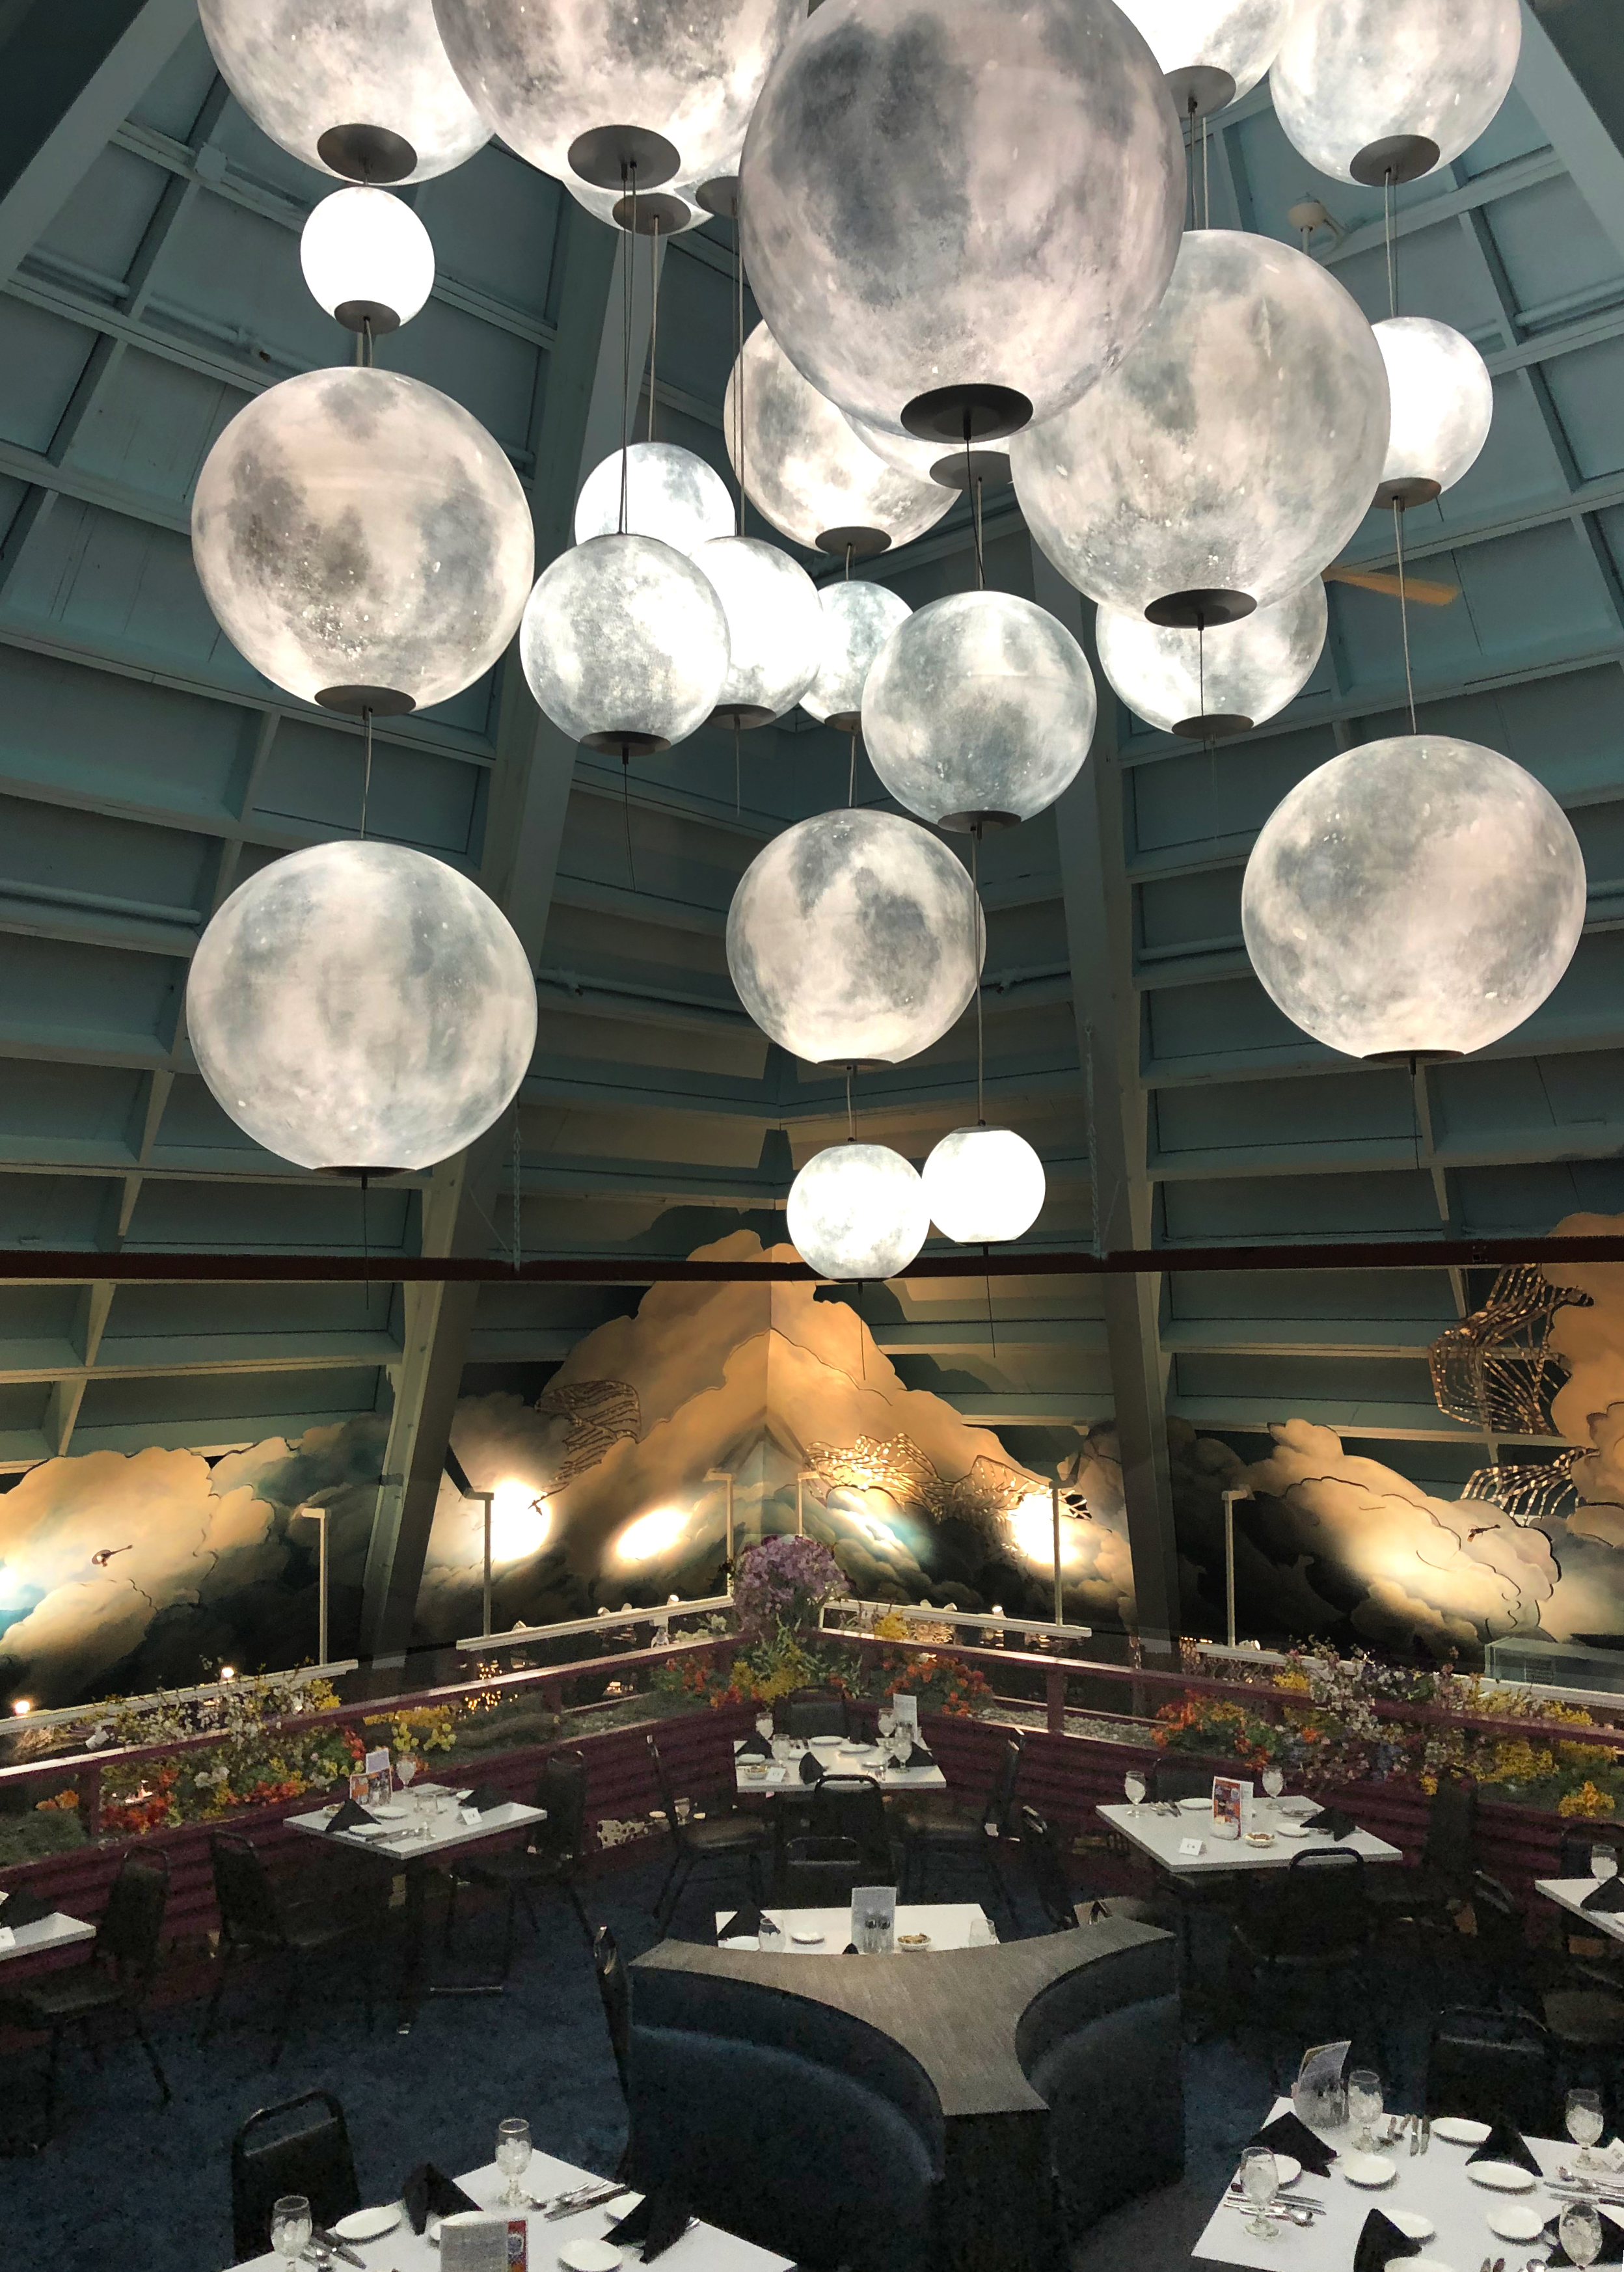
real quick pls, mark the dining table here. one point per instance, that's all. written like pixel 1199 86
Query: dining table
pixel 941 1926
pixel 1569 1894
pixel 702 2248
pixel 854 1757
pixel 57 1931
pixel 1166 1833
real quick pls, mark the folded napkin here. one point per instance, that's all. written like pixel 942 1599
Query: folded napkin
pixel 20 1909
pixel 755 1747
pixel 1504 2143
pixel 1380 2241
pixel 350 1817
pixel 919 1758
pixel 1331 1819
pixel 851 1949
pixel 1608 1895
pixel 742 1923
pixel 428 2192
pixel 1286 2134
pixel 1612 2241
pixel 812 1767
pixel 659 2218
pixel 484 1798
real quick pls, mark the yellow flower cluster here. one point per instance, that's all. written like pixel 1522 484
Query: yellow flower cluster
pixel 1587 1800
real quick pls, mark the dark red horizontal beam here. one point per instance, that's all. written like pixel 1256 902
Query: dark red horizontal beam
pixel 79 1265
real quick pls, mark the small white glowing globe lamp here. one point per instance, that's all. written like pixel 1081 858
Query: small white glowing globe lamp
pixel 625 645
pixel 1205 686
pixel 1231 455
pixel 858 620
pixel 1366 89
pixel 1212 51
pixel 978 710
pixel 856 936
pixel 983 1185
pixel 579 89
pixel 361 1007
pixel 962 210
pixel 1415 896
pixel 363 540
pixel 806 469
pixel 857 1211
pixel 1442 408
pixel 361 88
pixel 367 259
pixel 671 494
pixel 774 628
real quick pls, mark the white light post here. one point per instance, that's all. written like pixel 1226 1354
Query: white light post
pixel 1230 1498
pixel 486 1499
pixel 721 1476
pixel 318 1515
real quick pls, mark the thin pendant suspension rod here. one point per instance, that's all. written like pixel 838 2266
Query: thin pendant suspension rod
pixel 974 910
pixel 628 185
pixel 850 1124
pixel 1404 607
pixel 653 327
pixel 366 771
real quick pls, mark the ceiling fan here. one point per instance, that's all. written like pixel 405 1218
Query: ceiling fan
pixel 1419 588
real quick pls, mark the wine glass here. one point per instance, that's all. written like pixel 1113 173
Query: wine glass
pixel 1585 2124
pixel 1274 1782
pixel 291 2226
pixel 1604 1861
pixel 513 2158
pixel 1260 2181
pixel 1580 2232
pixel 1365 2106
pixel 1133 1784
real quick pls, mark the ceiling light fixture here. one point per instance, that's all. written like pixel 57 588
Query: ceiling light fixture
pixel 1372 89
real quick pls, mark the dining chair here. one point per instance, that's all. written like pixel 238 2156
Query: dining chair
pixel 615 1995
pixel 300 2146
pixel 712 1841
pixel 807 1712
pixel 842 1841
pixel 972 1835
pixel 1305 1928
pixel 549 1855
pixel 1574 2000
pixel 1065 1909
pixel 1492 2066
pixel 112 1982
pixel 1429 1891
pixel 255 1921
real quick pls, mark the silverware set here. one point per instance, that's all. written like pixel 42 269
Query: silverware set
pixel 1416 2127
pixel 579 2198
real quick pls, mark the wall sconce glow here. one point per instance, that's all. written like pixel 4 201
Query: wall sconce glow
pixel 1212 51
pixel 983 1185
pixel 22 1706
pixel 227 1672
pixel 625 645
pixel 367 258
pixel 1033 1524
pixel 1244 672
pixel 652 1534
pixel 1442 408
pixel 1362 88
pixel 857 1211
pixel 1418 896
pixel 671 494
pixel 520 1521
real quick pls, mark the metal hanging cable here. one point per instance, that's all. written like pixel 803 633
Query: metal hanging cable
pixel 366 771
pixel 974 910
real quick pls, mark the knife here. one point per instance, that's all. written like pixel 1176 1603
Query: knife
pixel 593 2200
pixel 330 2240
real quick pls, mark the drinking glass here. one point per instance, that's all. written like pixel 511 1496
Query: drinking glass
pixel 1580 2232
pixel 291 2226
pixel 1585 2124
pixel 1604 1861
pixel 887 1723
pixel 1365 2106
pixel 513 2158
pixel 1133 1784
pixel 1274 1782
pixel 1260 2181
pixel 406 1768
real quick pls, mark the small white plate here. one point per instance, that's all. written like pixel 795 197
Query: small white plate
pixel 863 1751
pixel 1458 2131
pixel 590 2255
pixel 1295 1830
pixel 1516 2221
pixel 828 1743
pixel 1501 2177
pixel 1259 1837
pixel 1410 2223
pixel 369 2224
pixel 807 1939
pixel 391 1813
pixel 1195 1806
pixel 1288 2169
pixel 1368 2169
pixel 1425 2263
pixel 366 1830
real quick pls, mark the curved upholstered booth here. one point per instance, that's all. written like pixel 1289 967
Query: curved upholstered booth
pixel 792 2123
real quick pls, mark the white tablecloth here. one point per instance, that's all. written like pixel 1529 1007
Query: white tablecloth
pixel 1569 1892
pixel 447 1826
pixel 56 1931
pixel 950 1924
pixel 704 2249
pixel 779 1774
pixel 1159 1835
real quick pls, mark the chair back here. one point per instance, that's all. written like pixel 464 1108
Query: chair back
pixel 300 2146
pixel 850 1807
pixel 668 1795
pixel 1322 1911
pixel 1450 1847
pixel 132 1922
pixel 562 1792
pixel 1042 1852
pixel 1493 2066
pixel 807 1712
pixel 615 1994
pixel 243 1893
pixel 820 1874
pixel 1168 1784
pixel 1001 1798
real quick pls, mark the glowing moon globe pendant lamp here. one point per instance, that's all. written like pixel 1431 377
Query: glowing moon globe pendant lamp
pixel 983 1186
pixel 774 628
pixel 857 1211
pixel 1207 685
pixel 367 259
pixel 363 540
pixel 671 494
pixel 1418 896
pixel 858 620
pixel 1442 408
pixel 360 1007
pixel 361 88
pixel 1366 89
pixel 959 213
pixel 855 936
pixel 625 645
pixel 1232 454
pixel 1213 51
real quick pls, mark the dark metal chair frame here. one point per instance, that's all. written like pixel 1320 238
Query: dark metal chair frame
pixel 255 1921
pixel 975 1838
pixel 328 2179
pixel 718 1839
pixel 548 1856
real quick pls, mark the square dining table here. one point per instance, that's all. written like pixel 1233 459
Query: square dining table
pixel 1569 1893
pixel 57 1931
pixel 946 1924
pixel 703 2249
pixel 1160 1834
pixel 853 1759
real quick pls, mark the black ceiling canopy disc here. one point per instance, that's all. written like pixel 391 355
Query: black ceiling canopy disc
pixel 625 743
pixel 742 714
pixel 1199 89
pixel 1400 157
pixel 720 197
pixel 862 543
pixel 367 316
pixel 960 468
pixel 1199 610
pixel 966 414
pixel 609 155
pixel 1218 726
pixel 977 824
pixel 657 214
pixel 1417 489
pixel 342 1174
pixel 1408 1057
pixel 367 153
pixel 845 721
pixel 355 701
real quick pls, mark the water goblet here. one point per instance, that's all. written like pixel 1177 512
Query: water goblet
pixel 291 2226
pixel 1365 2106
pixel 405 1767
pixel 1274 1782
pixel 1134 1786
pixel 1260 2181
pixel 512 2157
pixel 887 1723
pixel 1604 1861
pixel 1580 2233
pixel 1585 2124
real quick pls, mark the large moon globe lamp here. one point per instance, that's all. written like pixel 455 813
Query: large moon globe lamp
pixel 363 540
pixel 806 470
pixel 1213 51
pixel 367 259
pixel 960 211
pixel 1369 89
pixel 857 1211
pixel 775 627
pixel 1231 455
pixel 1442 408
pixel 978 710
pixel 1207 685
pixel 983 1185
pixel 579 87
pixel 956 467
pixel 1418 896
pixel 856 936
pixel 858 620
pixel 361 1006
pixel 361 88
pixel 625 645
pixel 671 494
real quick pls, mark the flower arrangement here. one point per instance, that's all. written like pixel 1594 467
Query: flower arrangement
pixel 942 1684
pixel 252 1763
pixel 782 1584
